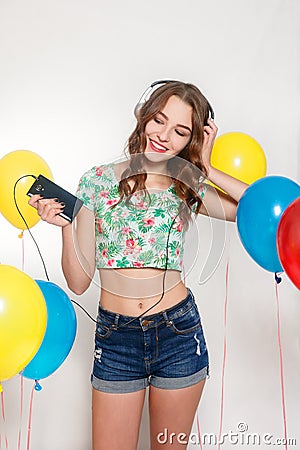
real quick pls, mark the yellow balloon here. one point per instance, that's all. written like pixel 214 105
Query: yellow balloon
pixel 23 320
pixel 240 156
pixel 13 166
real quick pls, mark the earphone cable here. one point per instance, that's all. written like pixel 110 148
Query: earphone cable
pixel 36 244
pixel 26 224
pixel 84 310
pixel 164 278
pixel 76 303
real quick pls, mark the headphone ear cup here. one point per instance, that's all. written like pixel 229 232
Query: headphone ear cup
pixel 146 95
pixel 211 112
pixel 137 109
pixel 142 100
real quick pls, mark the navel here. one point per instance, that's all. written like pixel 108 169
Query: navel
pixel 140 305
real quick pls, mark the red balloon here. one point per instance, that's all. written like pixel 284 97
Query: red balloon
pixel 288 241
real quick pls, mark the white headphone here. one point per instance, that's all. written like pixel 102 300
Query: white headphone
pixel 146 95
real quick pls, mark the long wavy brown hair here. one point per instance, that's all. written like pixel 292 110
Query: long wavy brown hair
pixel 201 108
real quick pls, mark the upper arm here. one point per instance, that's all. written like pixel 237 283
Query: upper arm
pixel 85 221
pixel 85 235
pixel 219 205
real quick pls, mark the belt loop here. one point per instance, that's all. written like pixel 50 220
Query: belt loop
pixel 116 321
pixel 165 316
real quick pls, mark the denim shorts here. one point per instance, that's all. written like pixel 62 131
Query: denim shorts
pixel 166 350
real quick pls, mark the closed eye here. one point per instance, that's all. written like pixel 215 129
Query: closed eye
pixel 158 120
pixel 179 133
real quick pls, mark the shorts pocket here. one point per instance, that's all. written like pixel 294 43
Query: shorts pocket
pixel 103 328
pixel 189 322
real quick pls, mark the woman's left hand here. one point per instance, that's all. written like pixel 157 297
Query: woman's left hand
pixel 210 132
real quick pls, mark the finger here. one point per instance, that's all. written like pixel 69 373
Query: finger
pixel 47 206
pixel 45 209
pixel 212 124
pixel 50 215
pixel 209 131
pixel 47 202
pixel 34 199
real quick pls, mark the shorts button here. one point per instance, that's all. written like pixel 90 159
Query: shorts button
pixel 145 322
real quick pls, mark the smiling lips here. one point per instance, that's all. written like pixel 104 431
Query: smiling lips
pixel 157 147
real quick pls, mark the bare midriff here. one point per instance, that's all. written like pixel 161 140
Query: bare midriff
pixel 132 291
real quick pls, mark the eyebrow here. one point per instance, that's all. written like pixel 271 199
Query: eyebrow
pixel 178 125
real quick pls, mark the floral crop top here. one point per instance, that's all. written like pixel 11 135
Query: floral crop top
pixel 134 234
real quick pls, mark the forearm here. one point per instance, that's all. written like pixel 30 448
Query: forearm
pixel 76 268
pixel 232 186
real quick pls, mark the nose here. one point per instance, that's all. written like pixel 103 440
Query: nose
pixel 164 134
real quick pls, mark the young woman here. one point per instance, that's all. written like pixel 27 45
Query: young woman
pixel 148 332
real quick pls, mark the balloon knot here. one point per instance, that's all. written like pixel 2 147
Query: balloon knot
pixel 278 279
pixel 37 386
pixel 1 388
pixel 20 236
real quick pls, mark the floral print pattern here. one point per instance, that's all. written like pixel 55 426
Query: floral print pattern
pixel 134 233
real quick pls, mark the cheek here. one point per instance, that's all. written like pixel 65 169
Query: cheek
pixel 150 128
pixel 181 143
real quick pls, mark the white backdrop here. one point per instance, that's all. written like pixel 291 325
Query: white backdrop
pixel 71 73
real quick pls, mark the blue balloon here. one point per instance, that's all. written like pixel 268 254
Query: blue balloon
pixel 258 215
pixel 59 336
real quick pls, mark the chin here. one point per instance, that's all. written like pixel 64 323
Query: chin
pixel 157 157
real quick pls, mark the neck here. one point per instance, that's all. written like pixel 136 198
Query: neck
pixel 157 172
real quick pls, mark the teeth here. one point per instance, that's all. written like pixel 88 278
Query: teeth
pixel 159 147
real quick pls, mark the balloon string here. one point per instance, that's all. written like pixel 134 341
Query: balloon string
pixel 23 252
pixel 3 417
pixel 21 409
pixel 21 236
pixel 281 367
pixel 30 418
pixel 224 356
pixel 199 431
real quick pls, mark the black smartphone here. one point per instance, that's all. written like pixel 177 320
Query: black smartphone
pixel 48 189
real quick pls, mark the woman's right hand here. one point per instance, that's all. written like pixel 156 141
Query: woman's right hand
pixel 48 210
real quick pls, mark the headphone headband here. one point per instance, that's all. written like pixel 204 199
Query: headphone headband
pixel 147 93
